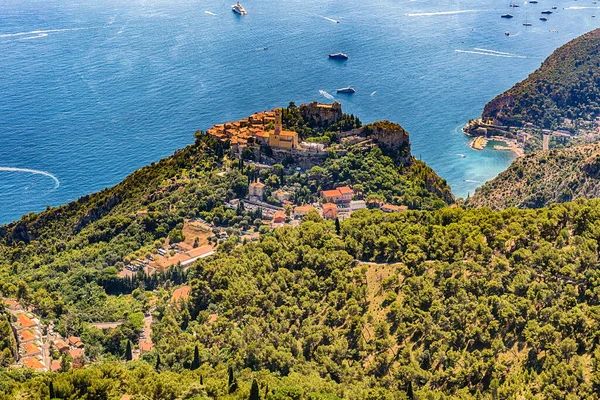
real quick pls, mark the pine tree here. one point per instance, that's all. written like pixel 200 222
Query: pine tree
pixel 254 394
pixel 157 366
pixel 196 361
pixel 232 383
pixel 338 228
pixel 128 354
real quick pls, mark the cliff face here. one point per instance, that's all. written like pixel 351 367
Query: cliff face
pixel 543 178
pixel 320 115
pixel 567 85
pixel 392 138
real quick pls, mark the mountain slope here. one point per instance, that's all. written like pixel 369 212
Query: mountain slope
pixel 567 85
pixel 542 178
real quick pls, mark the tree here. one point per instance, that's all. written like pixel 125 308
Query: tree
pixel 51 390
pixel 338 228
pixel 64 363
pixel 254 394
pixel 409 391
pixel 157 365
pixel 128 353
pixel 196 360
pixel 201 380
pixel 232 383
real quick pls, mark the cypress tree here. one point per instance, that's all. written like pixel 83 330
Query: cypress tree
pixel 51 390
pixel 128 354
pixel 409 391
pixel 254 394
pixel 196 361
pixel 232 384
pixel 201 380
pixel 157 366
pixel 338 228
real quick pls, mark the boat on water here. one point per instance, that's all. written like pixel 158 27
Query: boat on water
pixel 554 7
pixel 514 5
pixel 543 19
pixel 533 1
pixel 238 9
pixel 346 90
pixel 507 33
pixel 338 56
pixel 506 16
pixel 526 23
pixel 547 12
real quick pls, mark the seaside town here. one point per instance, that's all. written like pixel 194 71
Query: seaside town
pixel 529 137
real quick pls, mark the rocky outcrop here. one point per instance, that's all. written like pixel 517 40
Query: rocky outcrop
pixel 321 115
pixel 392 138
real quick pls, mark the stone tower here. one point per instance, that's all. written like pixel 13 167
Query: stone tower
pixel 278 123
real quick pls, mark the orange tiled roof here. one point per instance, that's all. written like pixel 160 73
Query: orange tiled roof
pixel 55 366
pixel 329 206
pixel 279 215
pixel 27 335
pixel 76 353
pixel 331 193
pixel 31 348
pixel 305 208
pixel 25 321
pixel 33 363
pixel 199 251
pixel 345 190
pixel 146 345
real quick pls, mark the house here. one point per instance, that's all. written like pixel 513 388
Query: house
pixel 357 205
pixel 31 350
pixel 61 346
pixel 74 341
pixel 146 346
pixel 11 304
pixel 279 217
pixel 301 211
pixel 340 195
pixel 198 253
pixel 55 366
pixel 256 190
pixel 330 211
pixel 34 364
pixel 24 322
pixel 183 246
pixel 78 357
pixel 27 336
pixel 281 195
pixel 390 208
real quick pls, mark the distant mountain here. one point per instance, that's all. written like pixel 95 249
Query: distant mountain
pixel 567 85
pixel 543 178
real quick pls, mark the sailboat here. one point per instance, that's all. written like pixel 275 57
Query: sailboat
pixel 526 23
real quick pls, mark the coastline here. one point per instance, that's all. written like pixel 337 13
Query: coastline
pixel 480 143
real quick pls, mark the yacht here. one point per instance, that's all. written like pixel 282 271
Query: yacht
pixel 526 23
pixel 238 9
pixel 507 33
pixel 543 19
pixel 547 12
pixel 514 5
pixel 506 16
pixel 346 90
pixel 533 1
pixel 554 7
pixel 338 56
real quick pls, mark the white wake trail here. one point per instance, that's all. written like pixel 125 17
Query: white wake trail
pixel 41 35
pixel 33 171
pixel 329 19
pixel 38 32
pixel 209 13
pixel 432 14
pixel 494 52
pixel 326 95
pixel 483 53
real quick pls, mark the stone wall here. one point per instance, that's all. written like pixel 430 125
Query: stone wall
pixel 318 114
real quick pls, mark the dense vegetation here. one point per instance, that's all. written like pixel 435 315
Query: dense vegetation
pixel 543 178
pixel 460 303
pixel 567 85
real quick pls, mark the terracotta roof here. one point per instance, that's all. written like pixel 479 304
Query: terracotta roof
pixel 199 251
pixel 31 348
pixel 257 185
pixel 393 208
pixel 25 321
pixel 345 190
pixel 11 302
pixel 55 366
pixel 279 214
pixel 146 345
pixel 33 363
pixel 75 341
pixel 27 335
pixel 185 246
pixel 76 353
pixel 329 206
pixel 288 133
pixel 181 293
pixel 305 208
pixel 331 193
pixel 60 344
pixel 167 262
pixel 126 397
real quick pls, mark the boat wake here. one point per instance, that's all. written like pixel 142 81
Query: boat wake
pixel 41 35
pixel 33 171
pixel 491 53
pixel 432 14
pixel 326 95
pixel 471 181
pixel 41 32
pixel 330 19
pixel 373 94
pixel 581 8
pixel 209 13
pixel 461 155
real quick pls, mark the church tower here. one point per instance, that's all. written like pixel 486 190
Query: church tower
pixel 278 123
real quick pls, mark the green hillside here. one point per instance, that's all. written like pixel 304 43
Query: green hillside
pixel 567 85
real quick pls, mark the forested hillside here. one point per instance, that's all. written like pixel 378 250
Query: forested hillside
pixel 543 178
pixel 567 85
pixel 454 303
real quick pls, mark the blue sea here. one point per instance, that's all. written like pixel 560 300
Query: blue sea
pixel 92 90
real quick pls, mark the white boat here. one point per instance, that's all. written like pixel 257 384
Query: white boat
pixel 346 90
pixel 238 9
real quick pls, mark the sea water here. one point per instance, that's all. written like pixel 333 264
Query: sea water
pixel 91 91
